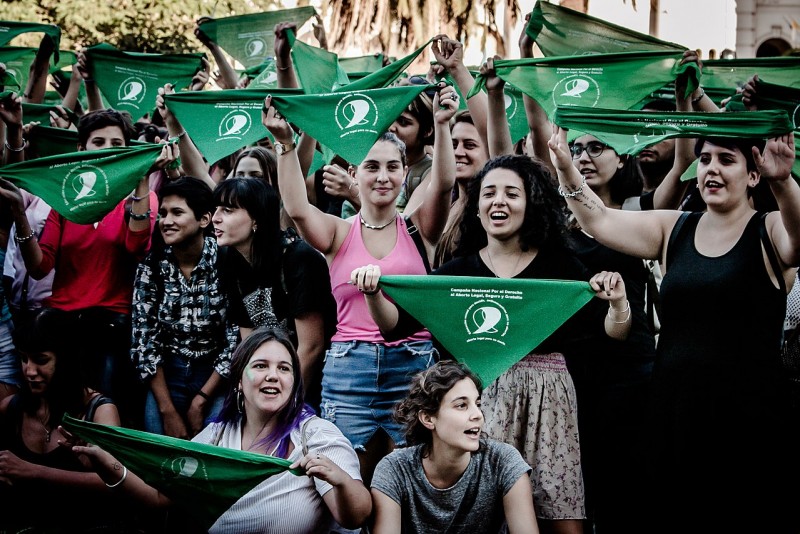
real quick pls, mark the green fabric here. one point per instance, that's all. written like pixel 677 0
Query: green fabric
pixel 130 81
pixel 267 78
pixel 612 81
pixel 488 323
pixel 68 58
pixel 250 39
pixel 348 123
pixel 84 186
pixel 10 29
pixel 387 75
pixel 222 122
pixel 41 113
pixel 774 96
pixel 629 132
pixel 205 480
pixel 559 31
pixel 361 64
pixel 18 62
pixel 317 69
pixel 721 77
pixel 47 141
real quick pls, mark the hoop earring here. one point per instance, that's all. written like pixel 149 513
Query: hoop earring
pixel 239 401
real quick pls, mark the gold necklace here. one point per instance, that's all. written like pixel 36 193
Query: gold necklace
pixel 494 270
pixel 376 226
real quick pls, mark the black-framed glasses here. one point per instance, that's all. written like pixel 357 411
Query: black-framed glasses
pixel 594 149
pixel 421 80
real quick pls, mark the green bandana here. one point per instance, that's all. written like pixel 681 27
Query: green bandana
pixel 130 80
pixel 348 123
pixel 629 132
pixel 317 69
pixel 10 29
pixel 18 61
pixel 267 77
pixel 559 31
pixel 41 113
pixel 222 122
pixel 612 81
pixel 387 75
pixel 47 141
pixel 250 39
pixel 362 64
pixel 488 323
pixel 721 77
pixel 84 186
pixel 205 480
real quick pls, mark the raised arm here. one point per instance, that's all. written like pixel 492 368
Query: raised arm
pixel 498 131
pixel 92 91
pixel 637 233
pixel 431 216
pixel 775 166
pixel 698 100
pixel 322 231
pixel 538 123
pixel 11 115
pixel 283 56
pixel 227 76
pixel 37 80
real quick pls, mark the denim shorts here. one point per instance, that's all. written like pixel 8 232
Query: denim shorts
pixel 363 382
pixel 10 366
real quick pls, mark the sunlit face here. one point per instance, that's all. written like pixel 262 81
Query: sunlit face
pixel 234 227
pixel 469 150
pixel 459 421
pixel 177 221
pixel 598 170
pixel 38 370
pixel 380 176
pixel 268 379
pixel 248 167
pixel 110 136
pixel 722 176
pixel 501 204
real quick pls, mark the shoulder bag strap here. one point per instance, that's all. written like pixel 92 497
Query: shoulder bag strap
pixel 413 231
pixel 771 256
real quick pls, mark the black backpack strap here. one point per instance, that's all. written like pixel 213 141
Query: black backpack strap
pixel 676 230
pixel 413 231
pixel 771 256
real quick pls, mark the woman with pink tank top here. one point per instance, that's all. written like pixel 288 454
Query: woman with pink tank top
pixel 365 376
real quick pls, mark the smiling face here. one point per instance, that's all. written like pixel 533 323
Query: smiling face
pixel 38 370
pixel 177 221
pixel 501 204
pixel 598 170
pixel 267 380
pixel 722 176
pixel 380 176
pixel 469 150
pixel 459 421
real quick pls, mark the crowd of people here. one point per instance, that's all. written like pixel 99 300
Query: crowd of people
pixel 238 303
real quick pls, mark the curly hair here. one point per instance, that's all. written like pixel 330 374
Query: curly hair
pixel 428 388
pixel 545 221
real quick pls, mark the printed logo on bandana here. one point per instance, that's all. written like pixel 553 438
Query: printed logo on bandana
pixel 255 47
pixel 486 320
pixel 576 90
pixel 511 106
pixel 15 73
pixel 652 131
pixel 183 466
pixel 796 117
pixel 84 185
pixel 234 125
pixel 131 92
pixel 356 113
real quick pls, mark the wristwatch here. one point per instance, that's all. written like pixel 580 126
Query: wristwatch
pixel 282 149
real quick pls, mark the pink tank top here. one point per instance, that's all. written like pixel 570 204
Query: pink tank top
pixel 355 322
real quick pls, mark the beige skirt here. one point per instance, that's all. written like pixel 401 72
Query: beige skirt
pixel 533 407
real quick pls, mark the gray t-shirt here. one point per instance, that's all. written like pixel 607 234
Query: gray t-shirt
pixel 473 504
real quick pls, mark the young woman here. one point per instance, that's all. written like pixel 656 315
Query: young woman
pixel 450 478
pixel 264 412
pixel 717 369
pixel 516 228
pixel 272 277
pixel 364 377
pixel 182 336
pixel 33 468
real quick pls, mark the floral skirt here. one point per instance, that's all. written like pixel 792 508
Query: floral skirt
pixel 533 407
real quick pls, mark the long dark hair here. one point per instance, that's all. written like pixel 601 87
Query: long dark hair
pixel 545 220
pixel 292 415
pixel 427 390
pixel 52 330
pixel 266 160
pixel 263 206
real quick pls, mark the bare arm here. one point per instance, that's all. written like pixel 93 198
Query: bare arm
pixel 283 57
pixel 383 311
pixel 518 507
pixel 431 216
pixel 310 341
pixel 226 73
pixel 37 81
pixel 775 165
pixel 636 233
pixel 610 286
pixel 92 91
pixel 11 115
pixel 388 516
pixel 538 123
pixel 498 132
pixel 70 100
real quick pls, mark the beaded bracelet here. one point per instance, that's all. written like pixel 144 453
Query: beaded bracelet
pixel 574 193
pixel 121 480
pixel 699 98
pixel 22 240
pixel 139 216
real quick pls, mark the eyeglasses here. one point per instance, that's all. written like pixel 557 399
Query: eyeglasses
pixel 420 80
pixel 593 149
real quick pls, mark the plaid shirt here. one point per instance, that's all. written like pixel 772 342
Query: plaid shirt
pixel 173 315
